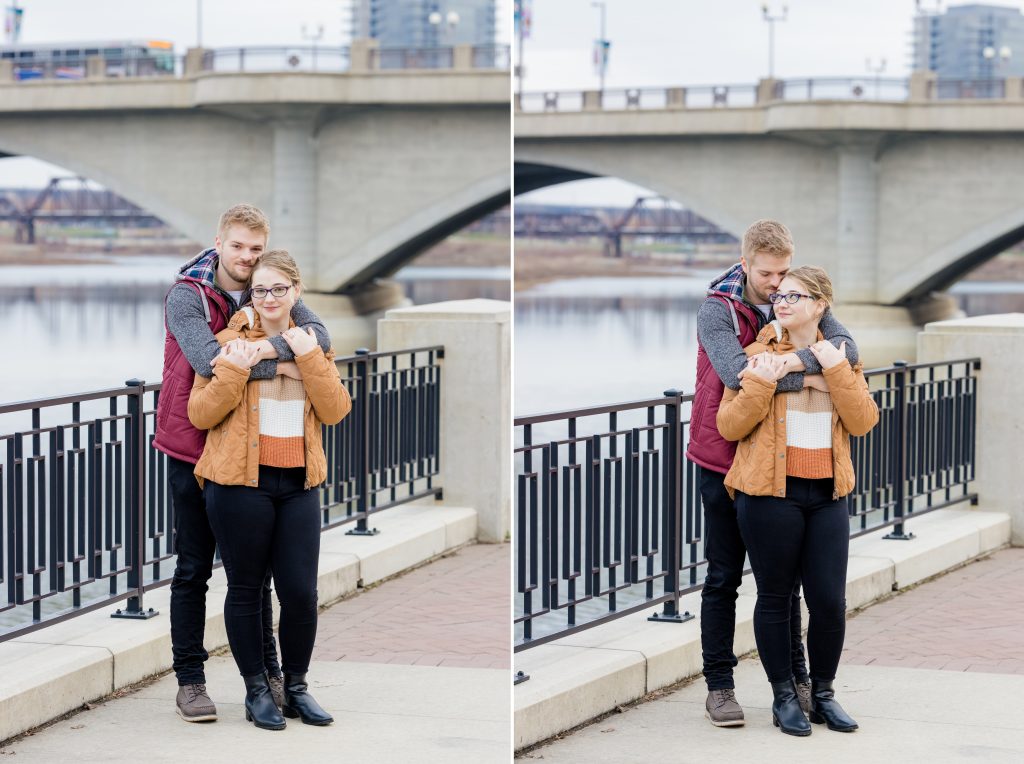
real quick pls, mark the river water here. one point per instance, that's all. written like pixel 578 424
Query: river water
pixel 584 342
pixel 73 328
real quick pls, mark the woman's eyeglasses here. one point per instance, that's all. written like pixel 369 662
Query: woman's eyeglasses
pixel 774 298
pixel 259 293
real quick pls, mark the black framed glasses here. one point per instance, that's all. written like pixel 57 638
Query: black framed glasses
pixel 791 297
pixel 259 293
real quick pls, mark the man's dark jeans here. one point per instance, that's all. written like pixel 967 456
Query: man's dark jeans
pixel 195 547
pixel 725 552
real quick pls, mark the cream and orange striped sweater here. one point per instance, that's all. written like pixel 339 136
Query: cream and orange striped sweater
pixel 809 433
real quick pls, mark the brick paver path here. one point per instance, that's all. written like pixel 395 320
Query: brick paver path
pixel 452 612
pixel 969 620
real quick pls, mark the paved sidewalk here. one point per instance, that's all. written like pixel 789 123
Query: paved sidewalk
pixel 969 708
pixel 450 615
pixel 453 612
pixel 971 619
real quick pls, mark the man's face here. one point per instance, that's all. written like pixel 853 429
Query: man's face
pixel 764 274
pixel 239 249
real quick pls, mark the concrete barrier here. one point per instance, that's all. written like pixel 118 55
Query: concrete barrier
pixel 999 341
pixel 476 395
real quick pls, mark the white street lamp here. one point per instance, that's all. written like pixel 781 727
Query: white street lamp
pixel 767 15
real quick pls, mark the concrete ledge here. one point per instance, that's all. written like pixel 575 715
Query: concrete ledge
pixel 589 673
pixel 56 669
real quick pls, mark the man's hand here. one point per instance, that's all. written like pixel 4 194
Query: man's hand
pixel 767 366
pixel 301 342
pixel 829 355
pixel 816 381
pixel 289 369
pixel 242 354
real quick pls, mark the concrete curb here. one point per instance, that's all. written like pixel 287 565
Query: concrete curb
pixel 55 670
pixel 589 673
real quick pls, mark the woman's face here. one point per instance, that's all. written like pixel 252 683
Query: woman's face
pixel 271 307
pixel 804 311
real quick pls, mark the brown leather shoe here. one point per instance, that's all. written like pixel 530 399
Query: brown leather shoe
pixel 277 690
pixel 722 709
pixel 803 695
pixel 194 705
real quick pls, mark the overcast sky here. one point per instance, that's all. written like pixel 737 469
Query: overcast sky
pixel 225 23
pixel 708 42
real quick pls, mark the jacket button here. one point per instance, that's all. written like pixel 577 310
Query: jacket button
pixel 253 482
pixel 782 456
pixel 781 420
pixel 254 408
pixel 254 444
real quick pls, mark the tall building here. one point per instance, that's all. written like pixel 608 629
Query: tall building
pixel 425 23
pixel 970 42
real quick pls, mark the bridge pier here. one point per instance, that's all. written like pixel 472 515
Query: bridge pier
pixel 294 209
pixel 857 234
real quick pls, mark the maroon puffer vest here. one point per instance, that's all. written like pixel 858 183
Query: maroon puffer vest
pixel 707 447
pixel 175 435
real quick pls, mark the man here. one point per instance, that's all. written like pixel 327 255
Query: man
pixel 735 310
pixel 208 290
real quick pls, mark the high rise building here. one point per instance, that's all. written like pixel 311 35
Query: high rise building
pixel 970 42
pixel 425 23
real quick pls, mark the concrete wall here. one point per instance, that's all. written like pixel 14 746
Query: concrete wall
pixel 476 400
pixel 999 342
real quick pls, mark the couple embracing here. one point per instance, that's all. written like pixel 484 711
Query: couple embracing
pixel 779 391
pixel 248 380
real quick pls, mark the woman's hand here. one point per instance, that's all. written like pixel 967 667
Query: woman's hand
pixel 767 366
pixel 242 354
pixel 301 342
pixel 829 355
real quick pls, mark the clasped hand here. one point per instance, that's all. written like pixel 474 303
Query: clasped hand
pixel 767 366
pixel 301 342
pixel 828 355
pixel 240 353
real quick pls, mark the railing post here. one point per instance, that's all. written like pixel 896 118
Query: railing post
pixel 135 436
pixel 900 456
pixel 363 506
pixel 673 507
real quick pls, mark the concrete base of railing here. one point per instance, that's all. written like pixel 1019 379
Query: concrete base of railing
pixel 589 673
pixel 55 670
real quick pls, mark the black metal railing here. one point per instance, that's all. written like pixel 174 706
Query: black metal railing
pixel 85 509
pixel 608 515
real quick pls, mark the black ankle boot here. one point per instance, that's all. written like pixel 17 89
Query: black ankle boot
pixel 786 713
pixel 260 708
pixel 825 709
pixel 298 703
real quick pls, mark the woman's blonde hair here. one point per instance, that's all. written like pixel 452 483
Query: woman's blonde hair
pixel 815 281
pixel 280 260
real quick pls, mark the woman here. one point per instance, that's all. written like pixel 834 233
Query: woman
pixel 262 461
pixel 791 472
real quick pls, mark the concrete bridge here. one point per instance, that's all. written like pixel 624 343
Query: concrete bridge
pixel 359 171
pixel 897 199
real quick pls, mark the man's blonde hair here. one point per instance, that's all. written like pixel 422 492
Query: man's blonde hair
pixel 280 260
pixel 815 281
pixel 767 236
pixel 245 215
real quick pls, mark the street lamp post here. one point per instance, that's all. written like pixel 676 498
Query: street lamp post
pixel 602 46
pixel 767 15
pixel 313 37
pixel 199 23
pixel 877 70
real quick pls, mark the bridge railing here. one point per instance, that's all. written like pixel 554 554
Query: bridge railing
pixel 318 58
pixel 867 89
pixel 85 511
pixel 608 515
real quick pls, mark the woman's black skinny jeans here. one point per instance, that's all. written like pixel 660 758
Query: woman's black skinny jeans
pixel 805 535
pixel 277 526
